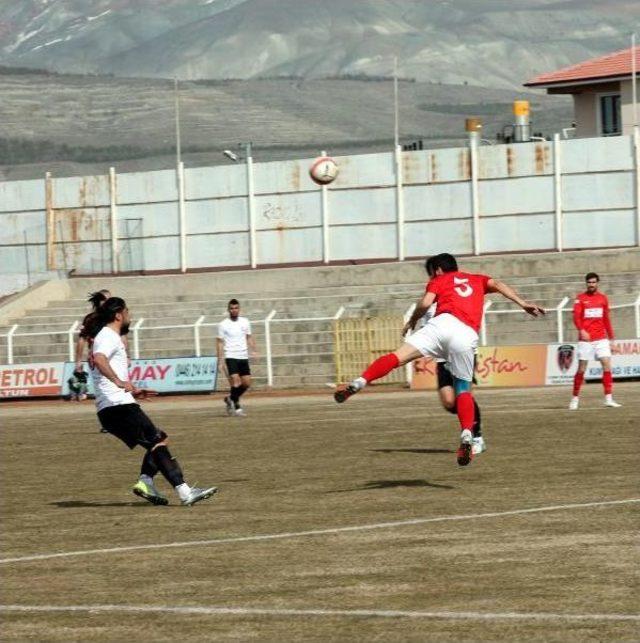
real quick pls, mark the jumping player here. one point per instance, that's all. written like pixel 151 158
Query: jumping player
pixel 451 335
pixel 122 417
pixel 591 318
pixel 446 387
pixel 234 341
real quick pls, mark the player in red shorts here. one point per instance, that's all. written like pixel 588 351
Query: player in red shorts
pixel 591 318
pixel 451 334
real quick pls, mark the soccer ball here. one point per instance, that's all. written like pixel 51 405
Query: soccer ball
pixel 323 170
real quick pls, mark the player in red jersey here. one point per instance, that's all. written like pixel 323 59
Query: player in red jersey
pixel 591 318
pixel 451 334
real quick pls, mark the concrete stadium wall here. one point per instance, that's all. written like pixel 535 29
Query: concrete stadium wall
pixel 497 199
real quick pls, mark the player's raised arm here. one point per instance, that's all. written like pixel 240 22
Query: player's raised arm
pixel 421 308
pixel 493 285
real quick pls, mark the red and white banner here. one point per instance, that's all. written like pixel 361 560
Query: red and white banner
pixel 31 380
pixel 496 366
pixel 562 362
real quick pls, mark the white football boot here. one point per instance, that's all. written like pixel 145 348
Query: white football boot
pixel 478 446
pixel 574 404
pixel 611 403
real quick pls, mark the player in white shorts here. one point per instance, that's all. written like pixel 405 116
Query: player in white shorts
pixel 451 335
pixel 595 333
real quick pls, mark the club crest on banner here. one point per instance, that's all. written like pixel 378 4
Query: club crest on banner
pixel 564 356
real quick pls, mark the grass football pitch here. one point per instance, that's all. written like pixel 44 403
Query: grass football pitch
pixel 349 522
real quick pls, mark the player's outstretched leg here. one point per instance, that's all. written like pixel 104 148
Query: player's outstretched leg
pixel 377 369
pixel 170 469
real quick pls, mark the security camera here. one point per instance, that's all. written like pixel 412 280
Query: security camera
pixel 231 155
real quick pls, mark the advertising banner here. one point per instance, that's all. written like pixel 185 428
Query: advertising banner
pixel 497 366
pixel 31 380
pixel 165 375
pixel 562 362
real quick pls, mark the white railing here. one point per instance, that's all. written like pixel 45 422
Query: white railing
pixel 559 311
pixel 138 328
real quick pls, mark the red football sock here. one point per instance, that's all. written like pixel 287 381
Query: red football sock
pixel 380 367
pixel 466 410
pixel 607 382
pixel 578 378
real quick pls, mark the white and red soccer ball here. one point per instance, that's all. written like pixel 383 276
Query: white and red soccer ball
pixel 323 170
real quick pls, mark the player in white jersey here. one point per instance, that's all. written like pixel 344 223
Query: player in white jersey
pixel 122 417
pixel 234 343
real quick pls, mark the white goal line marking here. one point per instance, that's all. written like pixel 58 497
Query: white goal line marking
pixel 353 613
pixel 317 532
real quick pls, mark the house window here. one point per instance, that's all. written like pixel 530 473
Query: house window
pixel 610 117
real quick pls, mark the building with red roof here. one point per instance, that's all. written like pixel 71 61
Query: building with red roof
pixel 602 90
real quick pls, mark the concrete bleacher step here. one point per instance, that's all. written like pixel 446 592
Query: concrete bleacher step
pixel 303 351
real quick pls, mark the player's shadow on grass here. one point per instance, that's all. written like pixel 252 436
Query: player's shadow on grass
pixel 71 504
pixel 391 484
pixel 407 450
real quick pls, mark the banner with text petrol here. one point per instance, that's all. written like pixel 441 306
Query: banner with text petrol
pixel 31 380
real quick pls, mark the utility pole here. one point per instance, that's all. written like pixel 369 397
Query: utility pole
pixel 396 119
pixel 176 95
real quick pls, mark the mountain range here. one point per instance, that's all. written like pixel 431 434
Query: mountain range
pixel 491 43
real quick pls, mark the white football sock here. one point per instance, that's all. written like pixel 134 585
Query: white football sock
pixel 359 383
pixel 183 490
pixel 146 479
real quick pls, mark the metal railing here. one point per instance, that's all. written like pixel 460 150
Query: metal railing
pixel 198 324
pixel 559 311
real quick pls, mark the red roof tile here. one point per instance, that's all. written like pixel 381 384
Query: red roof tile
pixel 612 65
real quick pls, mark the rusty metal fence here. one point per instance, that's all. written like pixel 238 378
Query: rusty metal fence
pixel 357 342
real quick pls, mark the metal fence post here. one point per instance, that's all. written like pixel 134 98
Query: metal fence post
pixel 50 223
pixel 267 346
pixel 136 338
pixel 557 183
pixel 71 332
pixel 399 202
pixel 475 195
pixel 196 334
pixel 408 369
pixel 559 318
pixel 636 149
pixel 483 326
pixel 324 204
pixel 10 335
pixel 253 251
pixel 182 217
pixel 113 218
pixel 636 307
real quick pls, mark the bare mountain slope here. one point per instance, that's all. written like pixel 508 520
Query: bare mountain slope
pixel 497 43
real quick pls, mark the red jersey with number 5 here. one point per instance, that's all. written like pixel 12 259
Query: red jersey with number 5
pixel 591 313
pixel 460 294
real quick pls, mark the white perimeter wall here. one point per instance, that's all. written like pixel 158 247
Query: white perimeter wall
pixel 507 198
